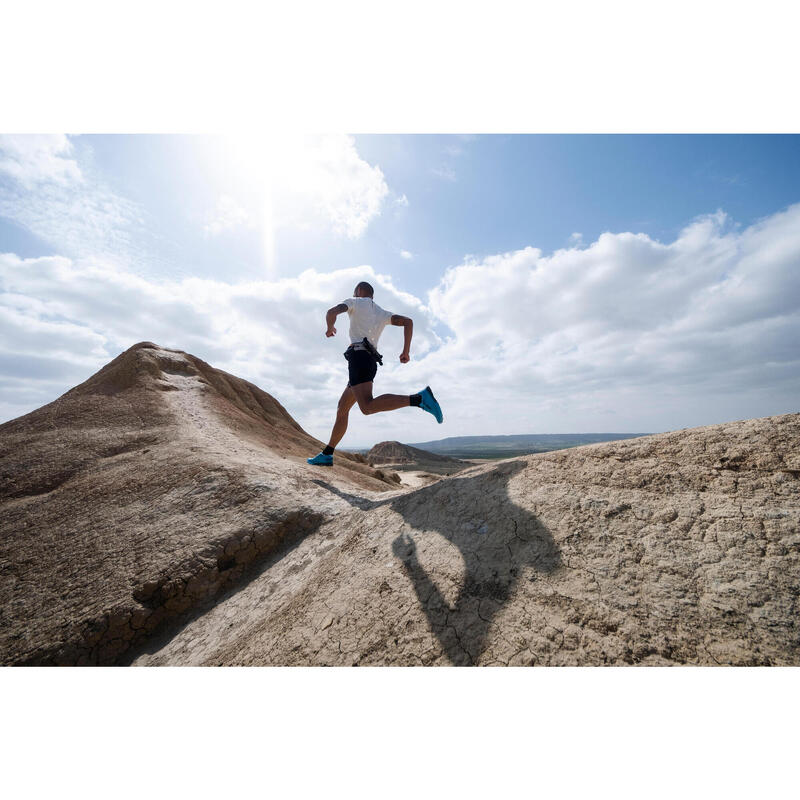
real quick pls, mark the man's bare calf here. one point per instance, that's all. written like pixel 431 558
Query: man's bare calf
pixel 383 402
pixel 362 394
pixel 346 402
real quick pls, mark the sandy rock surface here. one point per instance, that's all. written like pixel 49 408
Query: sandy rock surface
pixel 163 513
pixel 680 548
pixel 413 478
pixel 140 495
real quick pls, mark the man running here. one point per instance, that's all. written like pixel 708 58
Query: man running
pixel 367 321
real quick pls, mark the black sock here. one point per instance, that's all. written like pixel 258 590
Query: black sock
pixel 328 451
pixel 415 399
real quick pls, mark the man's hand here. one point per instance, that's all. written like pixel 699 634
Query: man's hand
pixel 408 329
pixel 330 318
pixel 404 548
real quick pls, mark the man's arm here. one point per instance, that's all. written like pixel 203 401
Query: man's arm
pixel 408 331
pixel 330 318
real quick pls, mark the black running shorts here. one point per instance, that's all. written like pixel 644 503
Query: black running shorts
pixel 361 367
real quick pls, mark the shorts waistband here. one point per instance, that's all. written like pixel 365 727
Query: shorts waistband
pixel 365 345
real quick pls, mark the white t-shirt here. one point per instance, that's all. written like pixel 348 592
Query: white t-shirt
pixel 367 318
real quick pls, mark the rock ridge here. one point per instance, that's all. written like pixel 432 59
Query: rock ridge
pixel 163 491
pixel 142 493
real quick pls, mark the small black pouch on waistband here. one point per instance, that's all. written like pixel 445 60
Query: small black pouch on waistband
pixel 364 345
pixel 372 351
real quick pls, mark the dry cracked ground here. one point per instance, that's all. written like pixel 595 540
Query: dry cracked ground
pixel 162 513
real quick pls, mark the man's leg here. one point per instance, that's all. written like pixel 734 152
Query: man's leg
pixel 346 402
pixel 383 402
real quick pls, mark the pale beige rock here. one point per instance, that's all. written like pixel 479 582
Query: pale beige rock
pixel 140 494
pixel 680 548
pixel 662 550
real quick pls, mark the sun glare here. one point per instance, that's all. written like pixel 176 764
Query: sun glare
pixel 280 178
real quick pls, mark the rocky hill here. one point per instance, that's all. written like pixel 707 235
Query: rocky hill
pixel 162 513
pixel 143 493
pixel 397 454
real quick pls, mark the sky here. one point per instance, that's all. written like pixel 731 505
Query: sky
pixel 557 283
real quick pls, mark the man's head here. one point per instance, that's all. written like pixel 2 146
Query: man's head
pixel 363 289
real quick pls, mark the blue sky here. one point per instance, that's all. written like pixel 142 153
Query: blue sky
pixel 523 259
pixel 473 195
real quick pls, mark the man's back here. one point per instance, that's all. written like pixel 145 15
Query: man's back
pixel 367 318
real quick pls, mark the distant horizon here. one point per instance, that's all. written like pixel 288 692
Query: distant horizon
pixel 630 434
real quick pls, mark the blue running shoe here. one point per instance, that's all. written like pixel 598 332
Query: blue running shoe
pixel 321 460
pixel 429 404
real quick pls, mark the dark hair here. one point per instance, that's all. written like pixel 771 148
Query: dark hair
pixel 364 286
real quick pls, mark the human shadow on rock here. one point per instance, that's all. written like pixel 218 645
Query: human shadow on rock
pixel 496 538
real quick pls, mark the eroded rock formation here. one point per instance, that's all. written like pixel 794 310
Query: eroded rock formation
pixel 142 493
pixel 680 548
pixel 397 453
pixel 163 513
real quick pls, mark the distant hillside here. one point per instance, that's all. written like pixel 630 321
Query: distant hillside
pixel 396 453
pixel 516 444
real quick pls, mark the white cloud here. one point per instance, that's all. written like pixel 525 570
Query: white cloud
pixel 625 334
pixel 227 216
pixel 34 159
pixel 310 181
pixel 453 150
pixel 657 336
pixel 406 255
pixel 576 239
pixel 348 190
pixel 46 193
pixel 402 200
pixel 444 172
pixel 316 183
pixel 61 320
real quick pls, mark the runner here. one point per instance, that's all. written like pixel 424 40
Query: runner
pixel 367 321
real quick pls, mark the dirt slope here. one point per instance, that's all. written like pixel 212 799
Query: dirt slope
pixel 680 548
pixel 143 493
pixel 163 513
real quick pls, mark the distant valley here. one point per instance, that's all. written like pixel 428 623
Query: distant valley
pixel 511 446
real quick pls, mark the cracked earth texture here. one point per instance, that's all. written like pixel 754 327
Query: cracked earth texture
pixel 163 513
pixel 680 548
pixel 141 495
